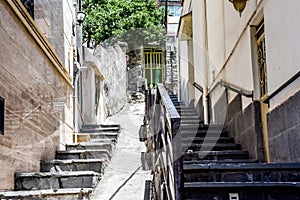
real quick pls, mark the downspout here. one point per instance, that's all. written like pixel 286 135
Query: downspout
pixel 205 91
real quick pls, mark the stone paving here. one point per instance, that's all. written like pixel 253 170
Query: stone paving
pixel 124 178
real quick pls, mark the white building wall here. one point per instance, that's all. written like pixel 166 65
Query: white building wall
pixel 282 29
pixel 183 72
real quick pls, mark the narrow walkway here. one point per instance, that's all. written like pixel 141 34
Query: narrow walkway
pixel 124 178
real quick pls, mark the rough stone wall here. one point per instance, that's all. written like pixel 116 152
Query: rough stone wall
pixel 284 131
pixel 36 100
pixel 113 68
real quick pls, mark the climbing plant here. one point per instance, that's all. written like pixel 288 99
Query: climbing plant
pixel 109 21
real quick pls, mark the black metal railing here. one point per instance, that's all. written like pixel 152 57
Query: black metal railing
pixel 233 88
pixel 164 143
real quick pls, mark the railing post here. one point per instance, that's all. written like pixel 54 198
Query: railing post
pixel 177 159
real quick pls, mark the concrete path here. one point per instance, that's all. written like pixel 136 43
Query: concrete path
pixel 124 178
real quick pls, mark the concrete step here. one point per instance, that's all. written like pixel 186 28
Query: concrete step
pixel 48 194
pixel 96 165
pixel 211 146
pixel 56 180
pixel 95 128
pixel 242 172
pixel 215 155
pixel 83 154
pixel 243 191
pixel 91 146
pixel 109 137
pixel 200 140
pixel 195 121
pixel 223 161
pixel 186 118
pixel 186 132
pixel 187 113
pixel 193 126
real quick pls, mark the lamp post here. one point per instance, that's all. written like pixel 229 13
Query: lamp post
pixel 239 5
pixel 80 17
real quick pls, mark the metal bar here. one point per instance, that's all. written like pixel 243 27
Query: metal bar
pixel 196 85
pixel 233 88
pixel 287 83
pixel 237 89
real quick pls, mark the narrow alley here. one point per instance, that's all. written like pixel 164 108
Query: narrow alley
pixel 124 178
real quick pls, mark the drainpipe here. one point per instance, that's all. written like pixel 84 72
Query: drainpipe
pixel 205 91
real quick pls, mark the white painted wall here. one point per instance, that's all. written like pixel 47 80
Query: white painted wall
pixel 183 71
pixel 282 29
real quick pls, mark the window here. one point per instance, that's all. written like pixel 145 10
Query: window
pixel 2 115
pixel 261 56
pixel 174 10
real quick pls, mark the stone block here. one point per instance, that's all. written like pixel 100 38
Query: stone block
pixel 294 139
pixel 236 177
pixel 234 107
pixel 279 148
pixel 276 121
pixel 292 110
pixel 77 182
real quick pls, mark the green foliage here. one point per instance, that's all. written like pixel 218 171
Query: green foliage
pixel 108 21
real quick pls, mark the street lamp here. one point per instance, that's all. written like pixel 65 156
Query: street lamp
pixel 239 5
pixel 80 17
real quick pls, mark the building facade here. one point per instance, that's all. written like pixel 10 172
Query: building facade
pixel 37 55
pixel 243 71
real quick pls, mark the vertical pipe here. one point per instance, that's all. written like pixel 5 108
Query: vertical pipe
pixel 206 55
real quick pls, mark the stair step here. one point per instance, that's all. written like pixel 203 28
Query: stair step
pixel 247 166
pixel 212 146
pixel 201 127
pixel 203 133
pixel 104 126
pixel 187 113
pixel 56 180
pixel 242 172
pixel 247 191
pixel 215 155
pixel 96 165
pixel 240 185
pixel 197 162
pixel 200 140
pixel 189 118
pixel 59 194
pixel 83 154
pixel 108 137
pixel 90 146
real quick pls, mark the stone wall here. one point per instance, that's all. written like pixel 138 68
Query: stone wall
pixel 37 99
pixel 284 131
pixel 243 124
pixel 104 82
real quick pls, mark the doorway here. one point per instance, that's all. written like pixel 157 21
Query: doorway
pixel 262 79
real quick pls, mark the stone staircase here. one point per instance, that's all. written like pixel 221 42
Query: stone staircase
pixel 216 168
pixel 74 173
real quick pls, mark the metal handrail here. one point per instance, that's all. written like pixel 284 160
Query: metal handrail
pixel 283 86
pixel 164 141
pixel 232 87
pixel 196 85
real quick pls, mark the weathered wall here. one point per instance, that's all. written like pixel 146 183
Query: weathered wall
pixel 36 100
pixel 104 82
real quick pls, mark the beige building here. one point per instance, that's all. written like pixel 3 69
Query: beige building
pixel 37 54
pixel 243 71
